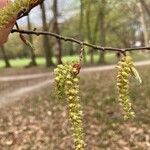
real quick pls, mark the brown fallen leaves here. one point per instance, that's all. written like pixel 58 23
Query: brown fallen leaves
pixel 40 121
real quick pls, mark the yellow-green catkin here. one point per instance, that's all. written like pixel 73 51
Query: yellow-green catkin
pixel 67 86
pixel 12 10
pixel 125 66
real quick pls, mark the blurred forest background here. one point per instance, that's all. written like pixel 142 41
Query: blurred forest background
pixel 112 23
pixel 32 116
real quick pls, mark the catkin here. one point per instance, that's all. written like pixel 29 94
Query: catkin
pixel 67 86
pixel 125 66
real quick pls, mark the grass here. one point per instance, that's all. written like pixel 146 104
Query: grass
pixel 40 121
pixel 110 59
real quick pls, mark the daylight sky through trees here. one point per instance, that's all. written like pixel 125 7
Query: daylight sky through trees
pixel 66 9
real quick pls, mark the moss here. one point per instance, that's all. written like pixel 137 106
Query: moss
pixel 12 9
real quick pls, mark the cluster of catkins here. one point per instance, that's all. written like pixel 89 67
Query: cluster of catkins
pixel 126 68
pixel 67 86
pixel 12 10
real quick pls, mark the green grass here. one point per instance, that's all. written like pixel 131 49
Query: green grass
pixel 110 59
pixel 22 62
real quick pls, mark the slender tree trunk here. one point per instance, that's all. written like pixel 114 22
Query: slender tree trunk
pixel 81 16
pixel 102 30
pixel 57 31
pixel 96 27
pixel 143 24
pixel 33 58
pixel 71 52
pixel 46 44
pixel 7 64
pixel 146 7
pixel 81 27
pixel 89 34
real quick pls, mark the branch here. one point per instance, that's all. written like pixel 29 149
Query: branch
pixel 97 47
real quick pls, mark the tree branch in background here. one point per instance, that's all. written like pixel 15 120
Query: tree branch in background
pixel 96 47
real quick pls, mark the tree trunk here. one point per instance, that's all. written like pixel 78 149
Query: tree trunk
pixel 57 31
pixel 71 51
pixel 33 58
pixel 143 24
pixel 89 35
pixel 146 7
pixel 46 44
pixel 102 30
pixel 7 64
pixel 81 28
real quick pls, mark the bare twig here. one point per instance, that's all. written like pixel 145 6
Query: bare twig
pixel 97 47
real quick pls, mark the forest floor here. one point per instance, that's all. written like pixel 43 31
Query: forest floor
pixel 38 120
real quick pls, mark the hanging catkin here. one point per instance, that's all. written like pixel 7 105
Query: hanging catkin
pixel 67 86
pixel 125 69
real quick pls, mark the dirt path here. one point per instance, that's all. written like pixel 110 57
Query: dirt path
pixel 47 74
pixel 24 77
pixel 7 96
pixel 110 67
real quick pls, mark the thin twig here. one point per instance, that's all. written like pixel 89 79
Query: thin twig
pixel 70 39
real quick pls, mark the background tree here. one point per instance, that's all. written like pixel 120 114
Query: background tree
pixel 102 28
pixel 6 60
pixel 143 24
pixel 33 57
pixel 46 43
pixel 56 30
pixel 146 7
pixel 81 30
